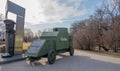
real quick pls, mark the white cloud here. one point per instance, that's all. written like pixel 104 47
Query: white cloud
pixel 31 7
pixel 53 10
pixel 48 11
pixel 74 3
pixel 110 1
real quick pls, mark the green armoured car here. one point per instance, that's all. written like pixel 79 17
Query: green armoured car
pixel 50 44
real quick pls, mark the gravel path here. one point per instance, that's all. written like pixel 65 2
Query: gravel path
pixel 81 61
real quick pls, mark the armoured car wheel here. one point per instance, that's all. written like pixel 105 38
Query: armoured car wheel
pixel 51 56
pixel 71 51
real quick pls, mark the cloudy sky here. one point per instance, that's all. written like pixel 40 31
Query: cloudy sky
pixel 46 14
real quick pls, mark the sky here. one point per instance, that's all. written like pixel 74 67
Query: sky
pixel 47 14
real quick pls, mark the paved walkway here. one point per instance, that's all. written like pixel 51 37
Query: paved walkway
pixel 81 61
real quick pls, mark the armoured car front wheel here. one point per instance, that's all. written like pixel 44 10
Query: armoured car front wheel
pixel 51 56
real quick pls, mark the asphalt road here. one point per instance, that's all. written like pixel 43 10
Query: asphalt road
pixel 81 61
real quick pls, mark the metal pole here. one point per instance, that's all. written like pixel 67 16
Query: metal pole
pixel 6 10
pixel 6 34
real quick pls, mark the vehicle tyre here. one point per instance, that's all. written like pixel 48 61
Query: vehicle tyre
pixel 51 56
pixel 71 51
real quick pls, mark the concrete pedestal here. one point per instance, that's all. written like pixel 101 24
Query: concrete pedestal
pixel 11 59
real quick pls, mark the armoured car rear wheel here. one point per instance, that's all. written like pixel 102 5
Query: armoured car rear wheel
pixel 51 56
pixel 71 51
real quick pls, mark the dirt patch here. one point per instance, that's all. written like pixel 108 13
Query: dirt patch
pixel 112 54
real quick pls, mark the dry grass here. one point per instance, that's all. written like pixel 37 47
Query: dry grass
pixel 26 45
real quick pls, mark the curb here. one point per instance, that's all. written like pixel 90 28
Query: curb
pixel 13 59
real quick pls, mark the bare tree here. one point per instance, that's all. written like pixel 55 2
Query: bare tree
pixel 39 33
pixel 2 26
pixel 28 35
pixel 102 29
